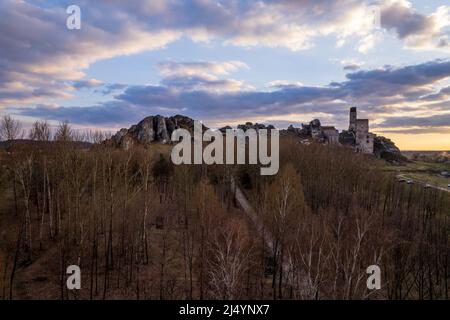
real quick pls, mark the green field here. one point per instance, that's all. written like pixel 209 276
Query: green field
pixel 423 172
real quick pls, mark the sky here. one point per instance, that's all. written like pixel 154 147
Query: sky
pixel 228 62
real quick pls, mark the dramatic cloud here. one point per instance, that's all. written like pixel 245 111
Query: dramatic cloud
pixel 383 92
pixel 39 55
pixel 407 83
pixel 39 52
pixel 418 30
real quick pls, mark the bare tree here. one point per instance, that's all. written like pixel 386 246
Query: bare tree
pixel 286 207
pixel 10 129
pixel 64 132
pixel 96 136
pixel 40 131
pixel 25 174
pixel 228 263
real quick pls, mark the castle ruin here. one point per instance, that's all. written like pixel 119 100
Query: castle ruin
pixel 364 139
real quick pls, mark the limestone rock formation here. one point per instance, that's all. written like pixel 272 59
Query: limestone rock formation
pixel 386 149
pixel 256 126
pixel 159 129
pixel 224 129
pixel 314 132
pixel 152 129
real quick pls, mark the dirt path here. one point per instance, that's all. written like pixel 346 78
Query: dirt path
pixel 253 216
pixel 251 213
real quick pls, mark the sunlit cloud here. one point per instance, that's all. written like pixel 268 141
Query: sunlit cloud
pixel 30 59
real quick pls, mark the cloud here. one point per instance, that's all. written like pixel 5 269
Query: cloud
pixel 352 67
pixel 39 55
pixel 87 84
pixel 201 76
pixel 170 69
pixel 372 88
pixel 41 61
pixel 382 92
pixel 38 51
pixel 414 131
pixel 441 120
pixel 407 83
pixel 369 42
pixel 109 88
pixel 349 64
pixel 441 95
pixel 418 30
pixel 280 84
pixel 107 113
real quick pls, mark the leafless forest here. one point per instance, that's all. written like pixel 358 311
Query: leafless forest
pixel 141 228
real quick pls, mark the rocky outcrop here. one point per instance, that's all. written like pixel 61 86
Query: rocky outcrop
pixel 386 149
pixel 383 148
pixel 315 128
pixel 159 129
pixel 224 129
pixel 256 126
pixel 312 131
pixel 144 131
pixel 152 129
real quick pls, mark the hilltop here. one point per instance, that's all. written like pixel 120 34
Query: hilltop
pixel 158 129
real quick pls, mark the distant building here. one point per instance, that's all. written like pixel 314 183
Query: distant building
pixel 360 129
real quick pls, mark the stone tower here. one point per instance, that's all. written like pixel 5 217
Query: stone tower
pixel 360 129
pixel 353 117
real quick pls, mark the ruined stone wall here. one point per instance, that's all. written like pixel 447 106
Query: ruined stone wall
pixel 353 117
pixel 331 135
pixel 364 139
